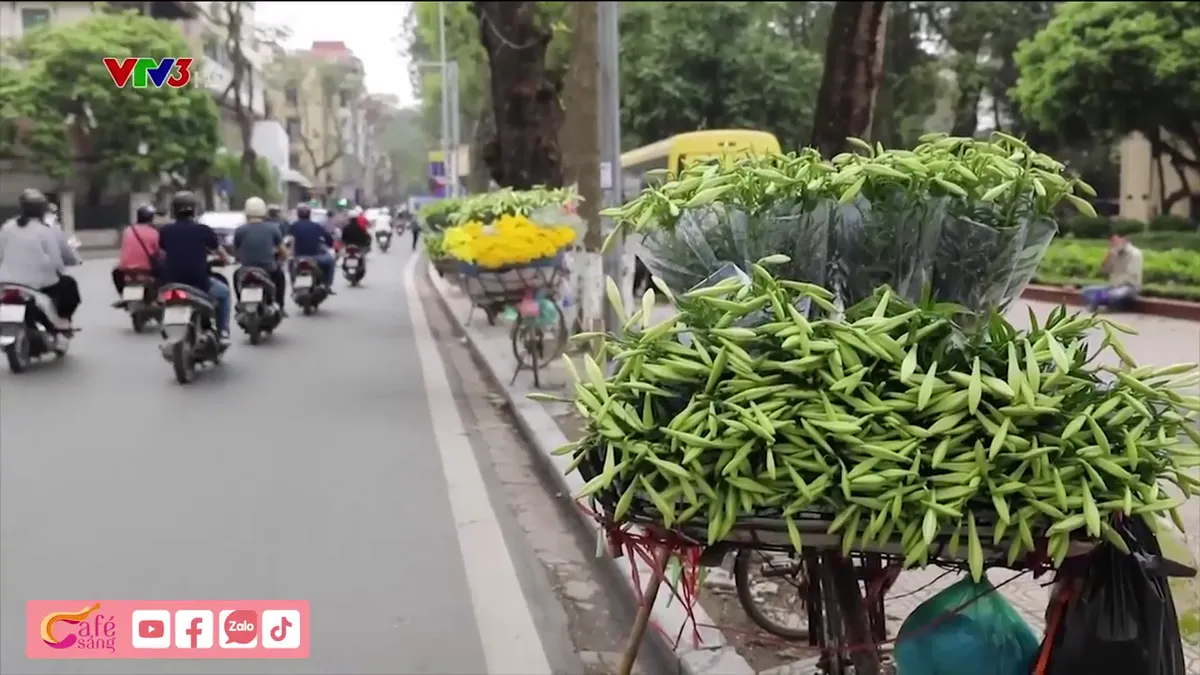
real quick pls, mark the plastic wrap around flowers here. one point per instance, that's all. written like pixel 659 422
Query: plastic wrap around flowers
pixel 509 241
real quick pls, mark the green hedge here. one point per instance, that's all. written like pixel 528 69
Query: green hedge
pixel 1173 273
pixel 1164 241
pixel 1101 227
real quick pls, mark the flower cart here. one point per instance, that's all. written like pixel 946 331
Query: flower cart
pixel 872 412
pixel 510 267
pixel 525 295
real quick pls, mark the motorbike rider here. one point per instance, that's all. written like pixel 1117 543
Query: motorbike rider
pixel 355 233
pixel 36 254
pixel 338 217
pixel 186 244
pixel 139 248
pixel 310 240
pixel 259 243
pixel 275 215
pixel 382 223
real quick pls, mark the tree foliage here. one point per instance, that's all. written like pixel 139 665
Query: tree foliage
pixel 402 151
pixel 63 111
pixel 979 40
pixel 688 66
pixel 1108 69
pixel 259 182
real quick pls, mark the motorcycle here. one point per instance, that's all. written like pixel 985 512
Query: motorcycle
pixel 309 288
pixel 189 330
pixel 354 265
pixel 256 311
pixel 139 299
pixel 29 327
pixel 384 237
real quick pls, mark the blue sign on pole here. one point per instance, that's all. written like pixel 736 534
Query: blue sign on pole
pixel 437 178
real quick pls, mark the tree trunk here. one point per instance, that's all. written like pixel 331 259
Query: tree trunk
pixel 568 136
pixel 524 151
pixel 853 72
pixel 846 107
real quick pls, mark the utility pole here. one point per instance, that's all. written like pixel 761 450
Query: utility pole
pixel 586 106
pixel 455 119
pixel 617 263
pixel 445 84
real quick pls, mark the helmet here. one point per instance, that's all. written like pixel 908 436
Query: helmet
pixel 342 203
pixel 274 211
pixel 303 212
pixel 145 214
pixel 356 212
pixel 32 203
pixel 183 204
pixel 255 207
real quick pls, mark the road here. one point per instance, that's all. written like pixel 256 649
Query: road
pixel 327 465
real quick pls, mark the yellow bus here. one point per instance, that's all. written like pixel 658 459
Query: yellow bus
pixel 680 150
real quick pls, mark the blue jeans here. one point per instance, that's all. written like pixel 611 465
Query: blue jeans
pixel 325 264
pixel 220 292
pixel 1116 297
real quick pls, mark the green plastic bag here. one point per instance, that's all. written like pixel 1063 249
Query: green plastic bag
pixel 967 629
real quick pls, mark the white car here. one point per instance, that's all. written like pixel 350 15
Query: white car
pixel 224 223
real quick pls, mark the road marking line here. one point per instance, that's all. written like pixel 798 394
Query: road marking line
pixel 511 643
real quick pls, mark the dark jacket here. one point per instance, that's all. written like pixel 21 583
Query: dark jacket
pixel 354 234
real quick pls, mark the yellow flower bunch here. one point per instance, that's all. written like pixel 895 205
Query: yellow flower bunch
pixel 509 240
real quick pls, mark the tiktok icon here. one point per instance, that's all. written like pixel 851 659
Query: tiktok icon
pixel 281 629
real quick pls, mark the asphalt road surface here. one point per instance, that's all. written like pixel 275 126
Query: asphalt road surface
pixel 328 464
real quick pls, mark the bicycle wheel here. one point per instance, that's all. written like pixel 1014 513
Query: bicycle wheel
pixel 545 342
pixel 526 341
pixel 779 606
pixel 556 337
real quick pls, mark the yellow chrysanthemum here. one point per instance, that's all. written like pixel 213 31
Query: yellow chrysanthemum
pixel 509 240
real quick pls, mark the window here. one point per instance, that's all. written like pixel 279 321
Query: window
pixel 32 18
pixel 294 159
pixel 343 98
pixel 268 111
pixel 292 95
pixel 293 127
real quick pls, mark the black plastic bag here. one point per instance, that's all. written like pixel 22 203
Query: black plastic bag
pixel 1122 619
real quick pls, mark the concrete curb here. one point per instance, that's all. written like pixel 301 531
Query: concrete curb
pixel 713 656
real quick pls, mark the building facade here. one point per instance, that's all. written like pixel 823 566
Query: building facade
pixel 324 111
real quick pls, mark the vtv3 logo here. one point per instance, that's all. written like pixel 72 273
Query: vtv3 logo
pixel 174 72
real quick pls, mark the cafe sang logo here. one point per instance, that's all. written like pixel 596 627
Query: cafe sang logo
pixel 86 629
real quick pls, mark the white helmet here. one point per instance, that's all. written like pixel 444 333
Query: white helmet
pixel 255 207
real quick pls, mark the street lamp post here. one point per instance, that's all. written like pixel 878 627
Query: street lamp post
pixel 447 130
pixel 617 263
pixel 450 114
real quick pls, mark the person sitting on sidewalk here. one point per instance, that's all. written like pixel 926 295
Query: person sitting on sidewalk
pixel 1123 265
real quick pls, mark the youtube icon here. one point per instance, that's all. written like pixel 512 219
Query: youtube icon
pixel 151 629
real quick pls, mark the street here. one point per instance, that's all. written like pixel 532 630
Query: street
pixel 329 465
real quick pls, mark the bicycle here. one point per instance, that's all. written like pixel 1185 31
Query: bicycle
pixel 820 616
pixel 525 295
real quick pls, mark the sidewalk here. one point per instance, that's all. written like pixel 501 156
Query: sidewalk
pixel 548 426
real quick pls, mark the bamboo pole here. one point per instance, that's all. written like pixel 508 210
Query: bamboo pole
pixel 642 622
